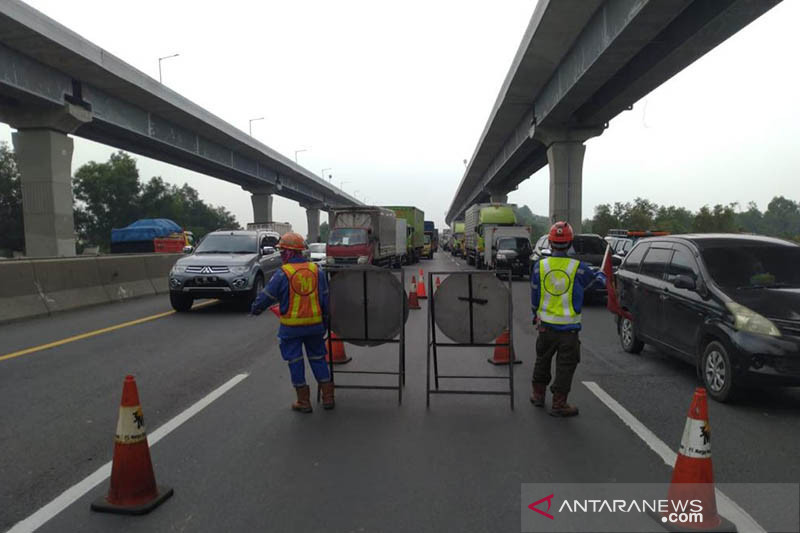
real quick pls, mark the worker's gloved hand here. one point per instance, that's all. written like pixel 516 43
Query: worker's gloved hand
pixel 254 311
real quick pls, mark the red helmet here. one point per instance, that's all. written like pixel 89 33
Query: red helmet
pixel 560 233
pixel 292 241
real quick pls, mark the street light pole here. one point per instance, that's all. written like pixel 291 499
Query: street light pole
pixel 250 124
pixel 160 59
pixel 297 152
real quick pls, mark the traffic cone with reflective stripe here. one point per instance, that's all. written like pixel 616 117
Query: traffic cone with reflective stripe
pixel 336 350
pixel 421 287
pixel 693 475
pixel 133 488
pixel 413 301
pixel 502 354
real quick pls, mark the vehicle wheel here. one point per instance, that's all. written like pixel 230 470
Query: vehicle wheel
pixel 717 372
pixel 180 302
pixel 258 286
pixel 469 260
pixel 627 337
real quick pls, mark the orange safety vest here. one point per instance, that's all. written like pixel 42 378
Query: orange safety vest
pixel 304 308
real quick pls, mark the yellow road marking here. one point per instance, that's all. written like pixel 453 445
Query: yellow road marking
pixel 94 333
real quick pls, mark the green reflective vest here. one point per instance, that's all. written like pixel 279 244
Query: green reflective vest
pixel 556 280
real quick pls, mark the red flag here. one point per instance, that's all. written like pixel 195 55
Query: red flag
pixel 276 309
pixel 612 303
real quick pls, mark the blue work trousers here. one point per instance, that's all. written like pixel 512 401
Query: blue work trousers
pixel 292 352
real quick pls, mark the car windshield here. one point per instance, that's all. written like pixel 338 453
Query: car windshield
pixel 317 248
pixel 520 244
pixel 739 265
pixel 226 243
pixel 589 244
pixel 347 237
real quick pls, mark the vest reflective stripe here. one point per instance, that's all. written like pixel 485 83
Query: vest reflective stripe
pixel 304 307
pixel 556 282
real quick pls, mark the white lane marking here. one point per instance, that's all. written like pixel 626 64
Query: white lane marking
pixel 75 492
pixel 725 506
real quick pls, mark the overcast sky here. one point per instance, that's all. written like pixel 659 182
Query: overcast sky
pixel 393 97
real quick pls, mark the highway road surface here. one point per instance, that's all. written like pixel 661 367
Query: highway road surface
pixel 240 460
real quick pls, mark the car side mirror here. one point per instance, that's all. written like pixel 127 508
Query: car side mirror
pixel 616 261
pixel 188 249
pixel 683 281
pixel 267 250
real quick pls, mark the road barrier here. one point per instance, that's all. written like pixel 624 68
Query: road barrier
pixel 19 297
pixel 124 277
pixel 35 287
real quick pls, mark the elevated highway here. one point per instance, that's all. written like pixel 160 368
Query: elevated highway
pixel 53 82
pixel 579 65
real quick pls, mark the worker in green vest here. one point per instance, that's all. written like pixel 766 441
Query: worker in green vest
pixel 557 286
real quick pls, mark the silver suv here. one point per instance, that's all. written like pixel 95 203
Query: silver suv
pixel 226 264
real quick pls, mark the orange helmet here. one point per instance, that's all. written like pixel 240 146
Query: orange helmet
pixel 292 241
pixel 560 233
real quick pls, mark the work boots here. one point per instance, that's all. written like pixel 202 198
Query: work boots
pixel 303 403
pixel 537 396
pixel 561 407
pixel 327 395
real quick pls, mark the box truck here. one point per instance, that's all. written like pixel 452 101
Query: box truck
pixel 362 236
pixel 484 225
pixel 415 220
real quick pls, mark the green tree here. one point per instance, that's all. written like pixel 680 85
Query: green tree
pixel 106 196
pixel 751 220
pixel 720 219
pixel 12 232
pixel 604 219
pixel 324 230
pixel 539 224
pixel 673 219
pixel 782 218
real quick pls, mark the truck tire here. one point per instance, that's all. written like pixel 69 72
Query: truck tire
pixel 180 302
pixel 470 260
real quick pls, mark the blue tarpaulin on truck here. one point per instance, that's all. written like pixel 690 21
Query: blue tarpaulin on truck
pixel 145 229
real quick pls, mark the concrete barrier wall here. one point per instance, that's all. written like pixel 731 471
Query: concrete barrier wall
pixel 42 286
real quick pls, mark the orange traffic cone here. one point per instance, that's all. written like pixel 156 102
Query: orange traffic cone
pixel 336 350
pixel 421 289
pixel 693 476
pixel 421 274
pixel 133 487
pixel 502 354
pixel 413 301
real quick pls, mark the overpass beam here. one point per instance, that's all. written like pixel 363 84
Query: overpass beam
pixel 44 157
pixel 565 151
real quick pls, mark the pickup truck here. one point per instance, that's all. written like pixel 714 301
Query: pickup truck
pixel 226 264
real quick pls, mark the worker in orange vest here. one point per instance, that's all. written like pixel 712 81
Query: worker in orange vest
pixel 301 290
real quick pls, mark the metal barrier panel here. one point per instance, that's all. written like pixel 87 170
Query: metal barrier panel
pixel 368 307
pixel 471 314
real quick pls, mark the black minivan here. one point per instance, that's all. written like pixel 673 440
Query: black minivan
pixel 728 303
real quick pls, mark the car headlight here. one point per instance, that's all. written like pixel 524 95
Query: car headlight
pixel 330 260
pixel 501 257
pixel 363 259
pixel 178 269
pixel 745 319
pixel 239 269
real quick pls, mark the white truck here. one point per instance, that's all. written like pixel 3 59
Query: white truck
pixel 401 234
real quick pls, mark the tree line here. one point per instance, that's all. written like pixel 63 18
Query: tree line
pixel 780 219
pixel 109 195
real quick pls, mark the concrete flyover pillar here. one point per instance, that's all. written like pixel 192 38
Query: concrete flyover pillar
pixel 44 158
pixel 261 197
pixel 565 151
pixel 312 216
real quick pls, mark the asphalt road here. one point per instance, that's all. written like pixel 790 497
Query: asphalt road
pixel 246 462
